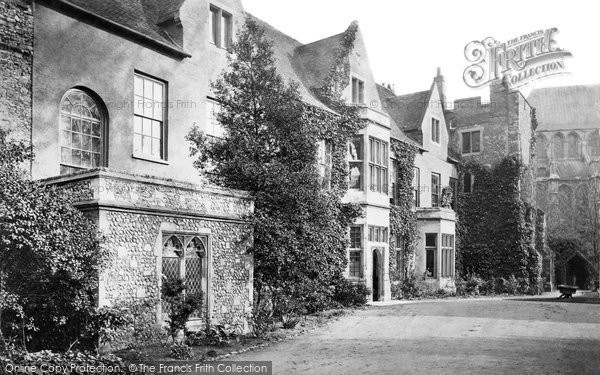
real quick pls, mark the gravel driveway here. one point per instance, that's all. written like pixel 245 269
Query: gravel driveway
pixel 497 336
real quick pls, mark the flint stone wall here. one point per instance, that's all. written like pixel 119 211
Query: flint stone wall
pixel 134 212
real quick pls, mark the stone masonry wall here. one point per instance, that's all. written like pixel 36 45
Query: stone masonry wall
pixel 16 53
pixel 132 238
pixel 134 213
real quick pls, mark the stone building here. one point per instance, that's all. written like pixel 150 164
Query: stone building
pixel 486 136
pixel 106 92
pixel 568 162
pixel 418 118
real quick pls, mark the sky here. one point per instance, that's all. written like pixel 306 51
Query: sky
pixel 407 40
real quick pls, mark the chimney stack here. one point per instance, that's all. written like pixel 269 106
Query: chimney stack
pixel 441 85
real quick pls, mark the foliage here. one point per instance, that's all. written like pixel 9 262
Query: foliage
pixel 270 149
pixel 349 294
pixel 130 324
pixel 180 350
pixel 412 287
pixel 403 219
pixel 50 256
pixel 473 285
pixel 496 231
pixel 180 305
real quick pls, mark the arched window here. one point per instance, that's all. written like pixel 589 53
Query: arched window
pixel 171 258
pixel 573 146
pixel 542 147
pixel 194 253
pixel 594 144
pixel 82 120
pixel 183 257
pixel 558 147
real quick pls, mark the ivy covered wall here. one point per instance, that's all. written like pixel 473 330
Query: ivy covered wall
pixel 403 219
pixel 497 228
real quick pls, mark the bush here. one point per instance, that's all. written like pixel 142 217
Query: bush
pixel 408 288
pixel 180 306
pixel 50 258
pixel 470 286
pixel 180 350
pixel 349 294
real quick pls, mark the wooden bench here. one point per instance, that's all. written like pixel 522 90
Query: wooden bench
pixel 567 291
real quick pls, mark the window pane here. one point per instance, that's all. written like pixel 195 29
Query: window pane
pixel 76 125
pixel 466 143
pixel 96 145
pixel 138 86
pixel 157 92
pixel 138 105
pixel 76 157
pixel 476 140
pixel 76 140
pixel 431 239
pixel 148 91
pixel 146 127
pixel 65 155
pixel 356 148
pixel 146 145
pixel 65 122
pixel 356 170
pixel 148 110
pixel 86 142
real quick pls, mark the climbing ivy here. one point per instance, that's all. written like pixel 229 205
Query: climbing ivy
pixel 403 219
pixel 496 228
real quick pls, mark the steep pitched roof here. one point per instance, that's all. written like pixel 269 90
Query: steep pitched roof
pixel 288 64
pixel 408 110
pixel 396 129
pixel 569 107
pixel 314 60
pixel 140 17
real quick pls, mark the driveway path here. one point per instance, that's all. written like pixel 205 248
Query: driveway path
pixel 502 336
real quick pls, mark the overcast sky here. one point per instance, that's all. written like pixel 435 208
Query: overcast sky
pixel 408 40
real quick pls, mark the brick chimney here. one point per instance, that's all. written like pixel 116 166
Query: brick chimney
pixel 441 85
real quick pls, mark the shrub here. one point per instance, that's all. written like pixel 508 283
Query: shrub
pixel 180 306
pixel 349 294
pixel 50 256
pixel 408 288
pixel 180 350
pixel 469 286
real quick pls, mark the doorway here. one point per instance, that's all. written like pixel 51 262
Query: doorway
pixel 376 274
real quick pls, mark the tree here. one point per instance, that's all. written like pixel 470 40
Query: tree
pixel 49 259
pixel 270 149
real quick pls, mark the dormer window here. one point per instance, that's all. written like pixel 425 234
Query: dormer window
pixel 358 91
pixel 221 27
pixel 435 130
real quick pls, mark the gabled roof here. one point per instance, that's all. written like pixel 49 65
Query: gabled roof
pixel 408 110
pixel 137 17
pixel 568 107
pixel 315 60
pixel 285 49
pixel 396 129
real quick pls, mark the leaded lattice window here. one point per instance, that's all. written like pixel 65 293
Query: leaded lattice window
pixel 81 132
pixel 183 257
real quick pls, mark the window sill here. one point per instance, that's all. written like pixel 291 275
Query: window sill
pixel 150 159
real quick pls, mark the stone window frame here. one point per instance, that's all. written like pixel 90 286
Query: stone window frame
pixel 417 187
pixel 470 131
pixel 436 190
pixel 447 255
pixel 66 168
pixel 379 165
pixel 435 130
pixel 378 234
pixel 220 27
pixel 355 253
pixel 431 250
pixel 358 90
pixel 206 276
pixel 356 158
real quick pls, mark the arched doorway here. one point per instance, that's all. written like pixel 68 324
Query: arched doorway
pixel 376 274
